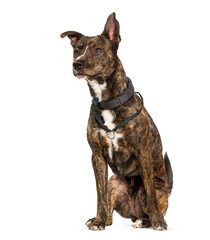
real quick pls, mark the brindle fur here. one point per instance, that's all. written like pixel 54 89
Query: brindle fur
pixel 138 158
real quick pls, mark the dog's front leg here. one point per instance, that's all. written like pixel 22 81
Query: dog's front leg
pixel 101 174
pixel 147 172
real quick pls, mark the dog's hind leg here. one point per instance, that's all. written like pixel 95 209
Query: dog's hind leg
pixel 126 201
pixel 162 201
pixel 118 198
pixel 163 186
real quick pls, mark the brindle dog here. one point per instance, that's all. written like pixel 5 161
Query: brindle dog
pixel 142 180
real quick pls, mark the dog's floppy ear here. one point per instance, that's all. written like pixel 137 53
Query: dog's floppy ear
pixel 73 36
pixel 112 29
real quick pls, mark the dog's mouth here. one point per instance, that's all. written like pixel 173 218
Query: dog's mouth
pixel 80 76
pixel 86 76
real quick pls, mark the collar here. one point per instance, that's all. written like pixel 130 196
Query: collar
pixel 119 100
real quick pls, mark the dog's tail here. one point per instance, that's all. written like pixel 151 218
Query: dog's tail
pixel 169 173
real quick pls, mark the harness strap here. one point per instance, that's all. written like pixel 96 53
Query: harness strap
pixel 99 120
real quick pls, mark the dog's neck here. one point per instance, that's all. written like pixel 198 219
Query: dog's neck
pixel 103 90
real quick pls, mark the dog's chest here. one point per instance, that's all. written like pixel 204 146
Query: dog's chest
pixel 108 118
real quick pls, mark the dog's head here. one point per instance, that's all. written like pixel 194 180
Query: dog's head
pixel 95 57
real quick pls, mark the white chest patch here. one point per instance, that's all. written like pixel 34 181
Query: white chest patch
pixel 108 121
pixel 97 88
pixel 108 117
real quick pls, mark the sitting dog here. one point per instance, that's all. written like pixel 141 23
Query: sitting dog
pixel 122 135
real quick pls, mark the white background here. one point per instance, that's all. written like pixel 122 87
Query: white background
pixel 47 185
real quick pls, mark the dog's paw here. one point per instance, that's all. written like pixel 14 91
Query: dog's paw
pixel 138 223
pixel 142 223
pixel 159 225
pixel 95 224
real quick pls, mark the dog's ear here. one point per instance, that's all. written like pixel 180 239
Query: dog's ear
pixel 112 29
pixel 73 36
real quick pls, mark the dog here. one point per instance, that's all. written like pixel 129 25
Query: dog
pixel 122 135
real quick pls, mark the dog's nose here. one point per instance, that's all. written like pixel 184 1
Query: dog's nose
pixel 77 65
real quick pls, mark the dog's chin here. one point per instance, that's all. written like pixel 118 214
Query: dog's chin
pixel 86 76
pixel 81 76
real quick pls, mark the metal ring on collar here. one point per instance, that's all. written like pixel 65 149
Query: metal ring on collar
pixel 111 135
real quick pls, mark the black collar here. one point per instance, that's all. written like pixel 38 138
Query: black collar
pixel 119 100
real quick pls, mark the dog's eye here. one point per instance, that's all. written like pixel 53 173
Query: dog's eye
pixel 98 50
pixel 76 51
